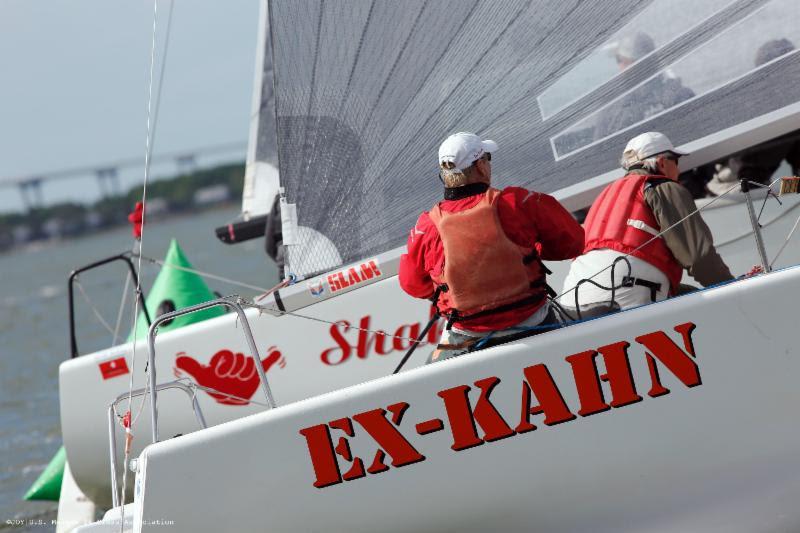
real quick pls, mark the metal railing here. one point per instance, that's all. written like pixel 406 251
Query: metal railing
pixel 112 436
pixel 230 302
pixel 762 252
pixel 124 257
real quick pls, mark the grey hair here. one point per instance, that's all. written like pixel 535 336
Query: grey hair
pixel 649 164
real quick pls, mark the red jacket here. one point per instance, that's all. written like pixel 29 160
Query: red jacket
pixel 621 220
pixel 529 219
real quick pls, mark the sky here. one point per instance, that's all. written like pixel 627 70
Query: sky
pixel 74 86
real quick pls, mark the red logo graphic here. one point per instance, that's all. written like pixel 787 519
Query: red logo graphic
pixel 115 367
pixel 362 341
pixel 354 276
pixel 472 419
pixel 232 375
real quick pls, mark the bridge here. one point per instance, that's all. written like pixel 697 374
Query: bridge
pixel 107 173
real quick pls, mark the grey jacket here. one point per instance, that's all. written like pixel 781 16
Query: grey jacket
pixel 690 241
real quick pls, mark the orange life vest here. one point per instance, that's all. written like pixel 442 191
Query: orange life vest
pixel 621 220
pixel 483 269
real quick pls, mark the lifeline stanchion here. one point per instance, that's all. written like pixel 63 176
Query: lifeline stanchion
pixel 762 252
pixel 427 328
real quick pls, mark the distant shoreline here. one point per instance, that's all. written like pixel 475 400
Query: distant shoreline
pixel 216 187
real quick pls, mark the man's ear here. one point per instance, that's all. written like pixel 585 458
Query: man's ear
pixel 483 168
pixel 661 164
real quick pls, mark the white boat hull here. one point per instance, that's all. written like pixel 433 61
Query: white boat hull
pixel 309 358
pixel 716 452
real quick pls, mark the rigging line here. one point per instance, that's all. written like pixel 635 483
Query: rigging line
pixel 765 224
pixel 123 301
pixel 783 246
pixel 270 310
pixel 144 190
pixel 129 430
pixel 144 196
pixel 201 273
pixel 189 383
pixel 93 308
pixel 281 284
pixel 161 79
pixel 658 236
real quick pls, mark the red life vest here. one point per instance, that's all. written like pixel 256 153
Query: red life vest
pixel 483 268
pixel 621 220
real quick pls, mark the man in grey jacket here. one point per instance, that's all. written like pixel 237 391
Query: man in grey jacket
pixel 627 219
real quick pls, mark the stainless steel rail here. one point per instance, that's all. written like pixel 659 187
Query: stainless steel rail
pixel 151 342
pixel 762 251
pixel 112 436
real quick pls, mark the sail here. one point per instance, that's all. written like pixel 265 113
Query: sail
pixel 365 91
pixel 261 181
pixel 261 172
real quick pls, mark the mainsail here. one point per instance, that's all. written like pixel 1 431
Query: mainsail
pixel 365 90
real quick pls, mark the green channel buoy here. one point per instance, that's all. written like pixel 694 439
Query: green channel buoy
pixel 183 288
pixel 48 484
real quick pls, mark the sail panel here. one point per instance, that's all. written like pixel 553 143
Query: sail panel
pixel 601 65
pixel 365 91
pixel 664 91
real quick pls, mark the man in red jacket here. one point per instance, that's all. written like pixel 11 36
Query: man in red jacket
pixel 481 249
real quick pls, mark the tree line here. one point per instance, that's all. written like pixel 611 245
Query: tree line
pixel 67 219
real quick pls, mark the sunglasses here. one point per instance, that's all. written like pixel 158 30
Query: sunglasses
pixel 670 156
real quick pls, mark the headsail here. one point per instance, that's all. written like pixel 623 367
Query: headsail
pixel 365 90
pixel 261 171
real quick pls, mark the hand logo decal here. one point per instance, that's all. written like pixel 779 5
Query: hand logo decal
pixel 229 373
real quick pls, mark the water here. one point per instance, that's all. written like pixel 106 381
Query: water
pixel 34 330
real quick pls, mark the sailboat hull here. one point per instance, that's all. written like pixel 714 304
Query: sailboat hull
pixel 305 357
pixel 671 417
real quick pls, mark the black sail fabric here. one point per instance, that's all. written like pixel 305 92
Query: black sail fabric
pixel 366 90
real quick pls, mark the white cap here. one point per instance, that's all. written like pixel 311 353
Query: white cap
pixel 462 149
pixel 647 145
pixel 635 46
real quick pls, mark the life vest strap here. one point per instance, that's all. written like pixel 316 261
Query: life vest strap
pixel 642 225
pixel 455 316
pixel 654 287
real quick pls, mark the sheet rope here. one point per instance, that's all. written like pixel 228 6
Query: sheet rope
pixel 147 156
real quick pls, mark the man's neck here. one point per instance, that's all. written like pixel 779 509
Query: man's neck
pixel 457 193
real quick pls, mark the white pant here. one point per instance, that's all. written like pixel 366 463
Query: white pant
pixel 586 266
